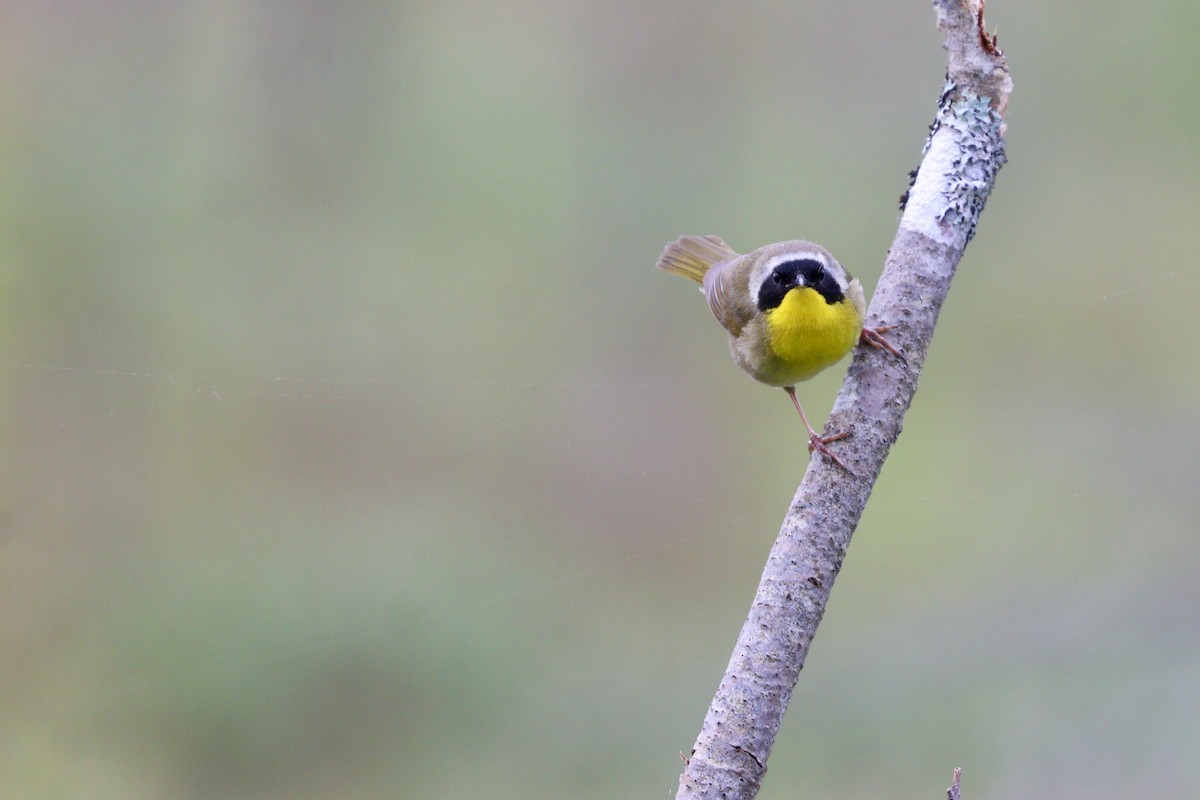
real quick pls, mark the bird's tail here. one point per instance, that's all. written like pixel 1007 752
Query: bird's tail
pixel 691 256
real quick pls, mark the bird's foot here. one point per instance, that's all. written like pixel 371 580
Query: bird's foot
pixel 819 443
pixel 874 337
pixel 816 441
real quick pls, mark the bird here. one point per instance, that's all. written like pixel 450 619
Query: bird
pixel 790 309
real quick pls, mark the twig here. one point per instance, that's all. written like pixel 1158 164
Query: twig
pixel 963 153
pixel 953 792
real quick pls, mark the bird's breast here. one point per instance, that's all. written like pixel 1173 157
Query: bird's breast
pixel 806 334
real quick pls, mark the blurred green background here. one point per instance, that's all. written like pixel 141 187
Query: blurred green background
pixel 352 446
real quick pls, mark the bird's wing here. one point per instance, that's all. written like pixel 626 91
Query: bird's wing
pixel 721 288
pixel 855 292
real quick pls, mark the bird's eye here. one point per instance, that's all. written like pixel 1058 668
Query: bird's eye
pixel 778 278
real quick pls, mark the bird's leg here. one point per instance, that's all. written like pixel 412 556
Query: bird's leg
pixel 874 338
pixel 815 440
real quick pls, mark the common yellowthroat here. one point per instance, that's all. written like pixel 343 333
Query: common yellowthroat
pixel 790 308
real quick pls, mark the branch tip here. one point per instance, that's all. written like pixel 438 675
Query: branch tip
pixel 953 792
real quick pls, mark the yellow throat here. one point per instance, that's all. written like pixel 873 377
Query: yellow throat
pixel 808 334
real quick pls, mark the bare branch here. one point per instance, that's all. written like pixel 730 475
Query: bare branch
pixel 963 153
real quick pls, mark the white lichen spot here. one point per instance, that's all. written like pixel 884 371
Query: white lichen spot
pixel 962 156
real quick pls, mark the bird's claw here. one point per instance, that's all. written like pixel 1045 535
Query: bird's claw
pixel 819 444
pixel 874 337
